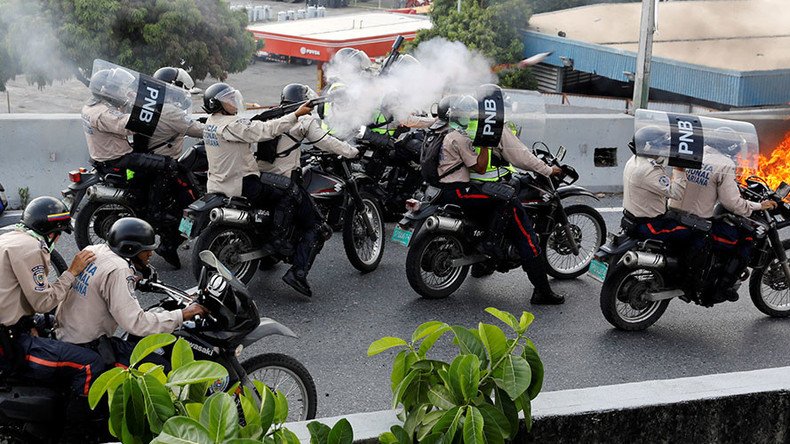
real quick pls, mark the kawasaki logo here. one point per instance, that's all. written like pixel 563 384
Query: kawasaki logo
pixel 205 350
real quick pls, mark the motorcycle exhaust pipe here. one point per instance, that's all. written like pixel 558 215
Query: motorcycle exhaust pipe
pixel 103 193
pixel 634 259
pixel 230 216
pixel 443 223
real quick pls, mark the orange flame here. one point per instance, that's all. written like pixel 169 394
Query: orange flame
pixel 774 169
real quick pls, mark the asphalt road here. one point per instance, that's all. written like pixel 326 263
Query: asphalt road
pixel 579 348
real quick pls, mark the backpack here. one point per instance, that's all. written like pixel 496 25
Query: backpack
pixel 267 150
pixel 429 156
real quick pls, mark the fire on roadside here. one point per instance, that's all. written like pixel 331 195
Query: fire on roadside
pixel 774 168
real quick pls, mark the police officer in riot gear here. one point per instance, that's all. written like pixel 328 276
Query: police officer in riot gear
pixel 105 118
pixel 646 188
pixel 458 159
pixel 716 182
pixel 26 290
pixel 302 210
pixel 103 297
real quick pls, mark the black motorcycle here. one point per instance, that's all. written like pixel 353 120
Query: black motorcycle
pixel 239 234
pixel 640 277
pixel 443 242
pixel 34 411
pixel 110 197
pixel 394 172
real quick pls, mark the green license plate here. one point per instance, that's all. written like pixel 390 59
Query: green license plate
pixel 598 270
pixel 402 236
pixel 185 226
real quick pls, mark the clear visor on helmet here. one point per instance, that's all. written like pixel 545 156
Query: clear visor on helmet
pixel 232 101
pixel 690 141
pixel 463 112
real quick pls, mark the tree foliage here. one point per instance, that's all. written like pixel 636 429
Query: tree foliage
pixel 203 36
pixel 492 27
pixel 539 6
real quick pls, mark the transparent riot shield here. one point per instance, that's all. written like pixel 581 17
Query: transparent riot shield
pixel 696 142
pixel 509 110
pixel 142 96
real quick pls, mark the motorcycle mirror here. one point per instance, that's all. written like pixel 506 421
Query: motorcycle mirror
pixel 783 190
pixel 561 152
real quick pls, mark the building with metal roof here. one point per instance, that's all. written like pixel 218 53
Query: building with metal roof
pixel 722 54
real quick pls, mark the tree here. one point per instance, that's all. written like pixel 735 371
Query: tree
pixel 539 6
pixel 205 37
pixel 492 27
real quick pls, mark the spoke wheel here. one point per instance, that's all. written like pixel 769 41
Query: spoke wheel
pixel 287 375
pixel 429 267
pixel 589 231
pixel 769 288
pixel 227 243
pixel 363 251
pixel 94 220
pixel 623 301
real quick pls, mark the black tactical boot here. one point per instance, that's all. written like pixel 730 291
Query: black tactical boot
pixel 297 279
pixel 543 294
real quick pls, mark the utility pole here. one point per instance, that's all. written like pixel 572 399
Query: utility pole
pixel 459 6
pixel 647 28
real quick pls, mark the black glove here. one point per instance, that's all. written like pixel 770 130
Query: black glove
pixel 202 119
pixel 375 140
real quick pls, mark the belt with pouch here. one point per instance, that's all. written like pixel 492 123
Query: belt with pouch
pixel 689 220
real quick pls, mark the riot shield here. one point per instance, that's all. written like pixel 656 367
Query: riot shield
pixel 141 95
pixel 525 110
pixel 689 141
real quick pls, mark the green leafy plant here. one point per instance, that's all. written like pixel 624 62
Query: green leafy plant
pixel 477 397
pixel 24 197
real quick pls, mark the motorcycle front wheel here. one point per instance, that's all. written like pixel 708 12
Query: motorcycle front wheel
pixel 622 298
pixel 286 374
pixel 227 243
pixel 429 267
pixel 58 267
pixel 588 230
pixel 94 219
pixel 363 251
pixel 769 288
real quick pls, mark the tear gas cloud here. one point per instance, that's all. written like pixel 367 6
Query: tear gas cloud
pixel 445 67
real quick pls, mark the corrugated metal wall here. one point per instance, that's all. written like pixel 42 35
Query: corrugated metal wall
pixel 733 88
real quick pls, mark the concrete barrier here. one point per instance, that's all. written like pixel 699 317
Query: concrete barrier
pixel 38 150
pixel 751 406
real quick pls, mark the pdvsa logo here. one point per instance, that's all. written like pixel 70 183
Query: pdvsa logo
pixel 307 51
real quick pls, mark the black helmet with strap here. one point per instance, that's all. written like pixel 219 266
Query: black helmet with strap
pixel 210 102
pixel 176 76
pixel 129 236
pixel 45 215
pixel 294 93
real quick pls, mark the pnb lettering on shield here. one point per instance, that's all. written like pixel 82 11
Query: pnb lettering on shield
pixel 489 106
pixel 149 107
pixel 686 131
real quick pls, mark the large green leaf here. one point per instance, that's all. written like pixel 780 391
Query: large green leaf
pixel 220 416
pixel 513 375
pixel 504 316
pixel 158 404
pixel 433 438
pixel 525 321
pixel 497 426
pixel 182 354
pixel 285 436
pixel 425 329
pixel 465 377
pixel 448 423
pixel 197 372
pixel 470 344
pixel 193 410
pixel 427 424
pixel 107 381
pixel 268 405
pixel 441 397
pixel 473 426
pixel 157 371
pixel 399 369
pixel 413 420
pixel 242 441
pixel 280 407
pixel 249 407
pixel 385 343
pixel 341 433
pixel 417 392
pixel 319 433
pixel 387 438
pixel 525 405
pixel 536 367
pixel 494 340
pixel 397 398
pixel 148 345
pixel 183 430
pixel 196 392
pixel 508 407
pixel 117 406
pixel 134 424
pixel 431 339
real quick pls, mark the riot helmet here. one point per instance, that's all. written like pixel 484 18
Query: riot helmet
pixel 222 97
pixel 652 139
pixel 352 57
pixel 46 215
pixel 296 93
pixel 405 62
pixel 175 76
pixel 727 141
pixel 463 113
pixel 444 106
pixel 113 85
pixel 129 236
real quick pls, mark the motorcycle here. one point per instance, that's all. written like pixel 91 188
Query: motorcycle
pixel 445 242
pixel 33 411
pixel 395 173
pixel 110 197
pixel 238 233
pixel 640 277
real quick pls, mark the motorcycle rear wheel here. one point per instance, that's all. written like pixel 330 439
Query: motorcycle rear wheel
pixel 363 252
pixel 226 243
pixel 769 288
pixel 630 284
pixel 58 266
pixel 94 219
pixel 428 265
pixel 284 373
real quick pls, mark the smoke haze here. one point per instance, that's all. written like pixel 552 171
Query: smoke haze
pixel 444 67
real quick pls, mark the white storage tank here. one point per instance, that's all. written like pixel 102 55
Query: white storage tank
pixel 321 11
pixel 300 14
pixel 311 13
pixel 291 14
pixel 282 16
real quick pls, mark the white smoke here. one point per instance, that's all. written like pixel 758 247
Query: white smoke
pixel 444 67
